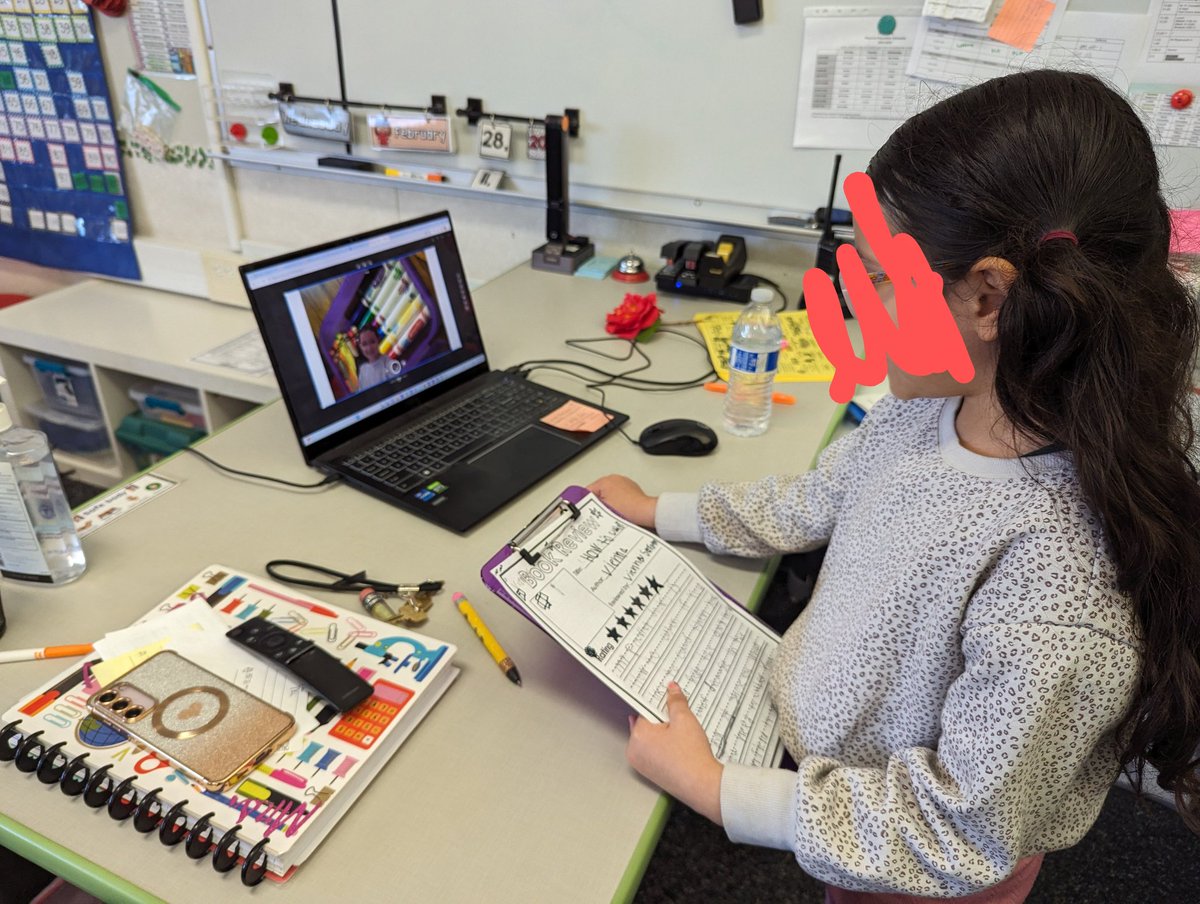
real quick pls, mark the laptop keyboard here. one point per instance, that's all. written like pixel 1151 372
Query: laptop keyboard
pixel 419 451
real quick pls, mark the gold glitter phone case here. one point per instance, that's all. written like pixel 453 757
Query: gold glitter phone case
pixel 209 729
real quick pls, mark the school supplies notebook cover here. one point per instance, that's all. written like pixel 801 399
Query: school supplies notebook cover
pixel 637 614
pixel 278 816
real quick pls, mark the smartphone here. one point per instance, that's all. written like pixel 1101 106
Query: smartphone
pixel 212 731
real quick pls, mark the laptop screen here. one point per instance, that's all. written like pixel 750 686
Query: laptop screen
pixel 362 329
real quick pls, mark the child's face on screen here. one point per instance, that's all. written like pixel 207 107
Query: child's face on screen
pixel 368 344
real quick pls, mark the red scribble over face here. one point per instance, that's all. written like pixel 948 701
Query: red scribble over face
pixel 905 321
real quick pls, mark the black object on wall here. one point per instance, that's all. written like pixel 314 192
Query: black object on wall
pixel 747 11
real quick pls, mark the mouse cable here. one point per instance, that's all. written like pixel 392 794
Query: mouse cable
pixel 331 479
pixel 774 285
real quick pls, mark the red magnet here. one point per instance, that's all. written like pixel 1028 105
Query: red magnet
pixel 238 131
pixel 1182 99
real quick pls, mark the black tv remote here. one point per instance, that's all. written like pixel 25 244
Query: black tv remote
pixel 323 674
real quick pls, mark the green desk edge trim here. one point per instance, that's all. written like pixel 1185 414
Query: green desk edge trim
pixel 639 861
pixel 61 861
pixel 52 856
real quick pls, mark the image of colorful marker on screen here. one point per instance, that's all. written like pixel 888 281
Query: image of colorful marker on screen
pixel 386 291
pixel 407 328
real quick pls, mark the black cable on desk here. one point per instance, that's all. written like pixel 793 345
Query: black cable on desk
pixel 331 479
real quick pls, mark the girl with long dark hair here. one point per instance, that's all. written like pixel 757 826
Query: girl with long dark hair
pixel 1008 613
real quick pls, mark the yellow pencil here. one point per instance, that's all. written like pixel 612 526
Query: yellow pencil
pixel 493 646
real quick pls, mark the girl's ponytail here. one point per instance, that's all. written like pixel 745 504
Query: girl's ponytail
pixel 1084 362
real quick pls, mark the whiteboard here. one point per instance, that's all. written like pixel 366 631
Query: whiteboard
pixel 677 101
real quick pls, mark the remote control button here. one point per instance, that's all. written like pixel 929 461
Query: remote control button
pixel 274 641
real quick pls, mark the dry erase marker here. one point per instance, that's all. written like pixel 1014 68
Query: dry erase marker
pixel 490 643
pixel 401 174
pixel 78 649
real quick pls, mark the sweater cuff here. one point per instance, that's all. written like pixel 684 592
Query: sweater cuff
pixel 758 805
pixel 677 517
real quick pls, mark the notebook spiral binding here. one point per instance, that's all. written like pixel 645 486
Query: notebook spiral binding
pixel 100 789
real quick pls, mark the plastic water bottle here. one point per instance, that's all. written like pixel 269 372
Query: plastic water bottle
pixel 38 541
pixel 753 360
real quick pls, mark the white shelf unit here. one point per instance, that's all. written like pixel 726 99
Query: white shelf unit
pixel 126 334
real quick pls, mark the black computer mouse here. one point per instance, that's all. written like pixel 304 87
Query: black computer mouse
pixel 678 436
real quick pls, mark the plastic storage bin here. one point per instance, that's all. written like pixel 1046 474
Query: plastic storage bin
pixel 149 439
pixel 172 404
pixel 66 385
pixel 70 432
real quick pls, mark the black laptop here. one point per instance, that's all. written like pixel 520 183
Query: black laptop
pixel 378 354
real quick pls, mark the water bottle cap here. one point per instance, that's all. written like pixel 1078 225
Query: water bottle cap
pixel 5 417
pixel 761 294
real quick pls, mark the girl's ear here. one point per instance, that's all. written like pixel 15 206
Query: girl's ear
pixel 990 279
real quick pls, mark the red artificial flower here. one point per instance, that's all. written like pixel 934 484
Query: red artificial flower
pixel 633 315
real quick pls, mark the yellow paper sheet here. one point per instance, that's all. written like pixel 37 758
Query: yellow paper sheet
pixel 110 670
pixel 801 360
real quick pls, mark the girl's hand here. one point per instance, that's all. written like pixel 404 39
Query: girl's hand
pixel 626 498
pixel 677 757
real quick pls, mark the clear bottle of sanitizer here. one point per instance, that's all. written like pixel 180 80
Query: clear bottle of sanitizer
pixel 38 541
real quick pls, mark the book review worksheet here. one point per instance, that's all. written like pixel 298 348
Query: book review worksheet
pixel 638 615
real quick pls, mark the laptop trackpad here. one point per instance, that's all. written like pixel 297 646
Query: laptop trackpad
pixel 503 472
pixel 526 456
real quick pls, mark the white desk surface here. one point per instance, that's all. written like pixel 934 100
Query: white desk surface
pixel 503 793
pixel 139 330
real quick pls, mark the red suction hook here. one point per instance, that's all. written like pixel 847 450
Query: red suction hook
pixel 1182 99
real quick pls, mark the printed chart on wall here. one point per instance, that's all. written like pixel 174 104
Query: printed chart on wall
pixel 1166 77
pixel 864 70
pixel 160 37
pixel 853 90
pixel 62 189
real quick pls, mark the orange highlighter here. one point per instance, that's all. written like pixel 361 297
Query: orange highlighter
pixel 779 398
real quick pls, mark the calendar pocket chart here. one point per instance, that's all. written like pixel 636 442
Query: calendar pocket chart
pixel 63 188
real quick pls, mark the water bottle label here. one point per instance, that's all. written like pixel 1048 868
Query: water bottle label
pixel 753 362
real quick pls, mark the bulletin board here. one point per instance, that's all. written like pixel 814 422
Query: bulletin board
pixel 62 188
pixel 677 102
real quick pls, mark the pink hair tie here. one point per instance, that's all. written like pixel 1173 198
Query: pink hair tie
pixel 1059 234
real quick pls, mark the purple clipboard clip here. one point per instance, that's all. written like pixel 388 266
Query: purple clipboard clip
pixel 527 542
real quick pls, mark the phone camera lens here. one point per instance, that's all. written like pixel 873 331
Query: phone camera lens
pixel 119 704
pixel 107 697
pixel 133 712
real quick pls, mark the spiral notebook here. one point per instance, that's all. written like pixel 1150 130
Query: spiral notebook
pixel 270 822
pixel 637 614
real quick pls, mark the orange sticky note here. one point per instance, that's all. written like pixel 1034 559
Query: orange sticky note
pixel 576 417
pixel 1021 22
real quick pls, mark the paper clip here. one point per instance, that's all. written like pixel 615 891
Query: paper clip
pixel 556 510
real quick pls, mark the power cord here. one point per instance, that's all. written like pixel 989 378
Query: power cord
pixel 331 479
pixel 783 302
pixel 623 379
